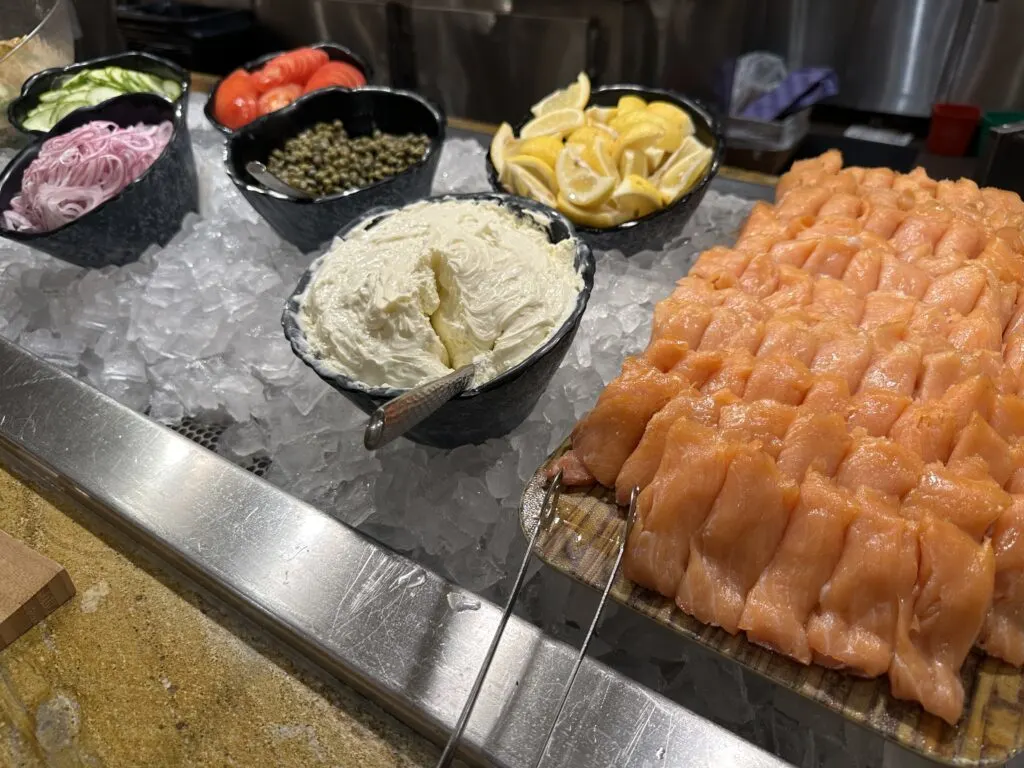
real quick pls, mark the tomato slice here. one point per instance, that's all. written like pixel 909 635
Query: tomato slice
pixel 278 97
pixel 335 73
pixel 294 67
pixel 235 102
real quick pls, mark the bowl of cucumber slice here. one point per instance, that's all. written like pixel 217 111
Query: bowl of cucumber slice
pixel 49 96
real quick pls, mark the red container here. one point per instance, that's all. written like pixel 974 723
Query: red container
pixel 952 128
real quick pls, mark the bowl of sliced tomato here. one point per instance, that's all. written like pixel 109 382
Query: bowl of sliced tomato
pixel 274 81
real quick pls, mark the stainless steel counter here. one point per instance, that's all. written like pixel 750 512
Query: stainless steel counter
pixel 375 619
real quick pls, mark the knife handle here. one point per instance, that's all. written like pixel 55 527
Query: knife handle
pixel 398 416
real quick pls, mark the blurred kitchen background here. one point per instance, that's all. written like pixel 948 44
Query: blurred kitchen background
pixel 896 62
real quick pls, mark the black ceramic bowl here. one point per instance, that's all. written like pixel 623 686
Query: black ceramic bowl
pixel 334 51
pixel 43 81
pixel 655 229
pixel 147 211
pixel 497 406
pixel 308 224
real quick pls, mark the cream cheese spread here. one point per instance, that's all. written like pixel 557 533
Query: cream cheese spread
pixel 435 286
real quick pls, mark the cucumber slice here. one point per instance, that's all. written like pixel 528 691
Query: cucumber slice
pixel 37 123
pixel 76 81
pixel 102 93
pixel 172 89
pixel 54 95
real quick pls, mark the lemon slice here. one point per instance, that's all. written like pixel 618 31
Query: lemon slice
pixel 636 197
pixel 673 114
pixel 526 184
pixel 639 137
pixel 681 177
pixel 600 218
pixel 535 167
pixel 600 115
pixel 633 162
pixel 578 183
pixel 575 96
pixel 559 123
pixel 503 137
pixel 631 103
pixel 598 155
pixel 690 146
pixel 546 148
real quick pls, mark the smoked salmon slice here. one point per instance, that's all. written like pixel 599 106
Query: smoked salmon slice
pixel 737 540
pixel 854 626
pixel 775 614
pixel 1003 633
pixel 607 435
pixel 954 590
pixel 674 505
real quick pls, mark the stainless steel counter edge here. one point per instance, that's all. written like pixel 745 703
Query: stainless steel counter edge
pixel 372 618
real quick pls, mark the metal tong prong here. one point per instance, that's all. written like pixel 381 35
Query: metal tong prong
pixel 543 521
pixel 630 519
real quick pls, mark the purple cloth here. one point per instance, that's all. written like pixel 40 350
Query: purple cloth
pixel 799 90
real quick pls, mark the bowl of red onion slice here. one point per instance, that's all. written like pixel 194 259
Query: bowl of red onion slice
pixel 105 184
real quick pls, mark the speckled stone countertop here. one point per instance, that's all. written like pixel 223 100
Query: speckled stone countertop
pixel 141 669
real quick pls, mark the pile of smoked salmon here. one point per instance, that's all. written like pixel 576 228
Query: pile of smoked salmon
pixel 827 427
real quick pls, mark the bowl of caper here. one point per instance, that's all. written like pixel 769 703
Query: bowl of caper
pixel 336 154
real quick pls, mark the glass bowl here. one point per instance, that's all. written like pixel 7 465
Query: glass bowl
pixel 46 40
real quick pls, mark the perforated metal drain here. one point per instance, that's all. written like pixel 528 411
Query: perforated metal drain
pixel 208 436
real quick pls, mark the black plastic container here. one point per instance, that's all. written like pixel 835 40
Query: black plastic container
pixel 496 407
pixel 334 51
pixel 308 224
pixel 43 81
pixel 198 37
pixel 657 228
pixel 147 211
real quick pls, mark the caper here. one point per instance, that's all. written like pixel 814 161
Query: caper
pixel 324 159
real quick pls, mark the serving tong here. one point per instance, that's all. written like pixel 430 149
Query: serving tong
pixel 544 519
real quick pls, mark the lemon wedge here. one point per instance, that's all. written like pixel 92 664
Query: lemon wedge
pixel 598 155
pixel 633 162
pixel 526 184
pixel 546 148
pixel 599 115
pixel 636 197
pixel 503 137
pixel 655 156
pixel 631 103
pixel 559 123
pixel 673 114
pixel 625 120
pixel 680 177
pixel 672 135
pixel 639 137
pixel 535 167
pixel 588 133
pixel 575 96
pixel 578 183
pixel 600 218
pixel 690 146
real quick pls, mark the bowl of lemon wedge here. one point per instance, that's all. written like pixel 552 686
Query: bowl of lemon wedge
pixel 627 164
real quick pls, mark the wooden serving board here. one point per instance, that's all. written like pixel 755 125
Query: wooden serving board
pixel 583 541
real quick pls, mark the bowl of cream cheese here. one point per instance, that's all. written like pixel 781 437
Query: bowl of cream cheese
pixel 406 295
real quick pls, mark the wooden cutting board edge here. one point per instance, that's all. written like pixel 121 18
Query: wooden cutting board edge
pixel 32 586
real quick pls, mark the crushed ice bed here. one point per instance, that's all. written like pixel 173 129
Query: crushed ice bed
pixel 191 335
